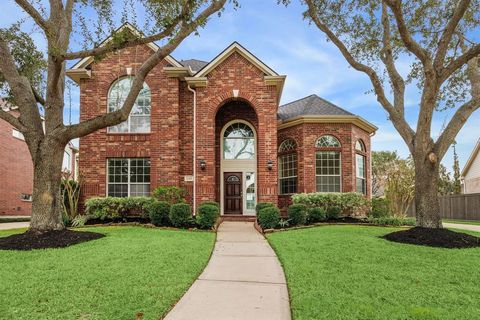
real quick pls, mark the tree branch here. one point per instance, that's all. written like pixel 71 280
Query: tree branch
pixel 398 120
pixel 36 16
pixel 116 117
pixel 463 113
pixel 386 56
pixel 447 35
pixel 38 97
pixel 410 43
pixel 11 119
pixel 127 43
pixel 456 64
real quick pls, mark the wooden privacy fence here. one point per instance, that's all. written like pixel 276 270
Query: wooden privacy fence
pixel 457 206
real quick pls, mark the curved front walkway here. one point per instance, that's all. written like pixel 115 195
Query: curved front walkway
pixel 243 280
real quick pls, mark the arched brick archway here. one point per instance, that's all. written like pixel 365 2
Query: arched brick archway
pixel 233 112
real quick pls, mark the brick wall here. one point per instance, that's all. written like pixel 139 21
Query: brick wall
pixel 161 145
pixel 306 135
pixel 16 173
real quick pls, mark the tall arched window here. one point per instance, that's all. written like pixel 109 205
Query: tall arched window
pixel 287 167
pixel 139 119
pixel 360 164
pixel 328 164
pixel 239 142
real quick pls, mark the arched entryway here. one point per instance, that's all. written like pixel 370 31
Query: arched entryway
pixel 236 158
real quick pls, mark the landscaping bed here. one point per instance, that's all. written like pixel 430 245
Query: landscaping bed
pixel 131 273
pixel 51 239
pixel 351 272
pixel 442 238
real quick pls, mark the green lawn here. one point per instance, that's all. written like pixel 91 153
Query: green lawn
pixel 348 272
pixel 474 222
pixel 131 270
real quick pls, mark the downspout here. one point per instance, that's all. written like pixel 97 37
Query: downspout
pixel 194 148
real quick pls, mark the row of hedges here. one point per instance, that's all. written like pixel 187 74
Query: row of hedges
pixel 347 203
pixel 160 213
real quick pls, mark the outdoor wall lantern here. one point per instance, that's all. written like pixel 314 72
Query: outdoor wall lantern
pixel 270 165
pixel 203 164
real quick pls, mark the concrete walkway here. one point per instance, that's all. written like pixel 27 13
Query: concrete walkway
pixel 470 227
pixel 243 280
pixel 13 225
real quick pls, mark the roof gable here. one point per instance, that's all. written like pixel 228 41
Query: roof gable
pixel 235 47
pixel 475 153
pixel 85 62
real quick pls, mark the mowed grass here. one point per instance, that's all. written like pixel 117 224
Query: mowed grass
pixel 472 222
pixel 348 272
pixel 132 270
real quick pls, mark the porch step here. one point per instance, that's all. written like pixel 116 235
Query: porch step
pixel 237 217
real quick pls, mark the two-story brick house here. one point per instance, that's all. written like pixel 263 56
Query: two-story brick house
pixel 216 129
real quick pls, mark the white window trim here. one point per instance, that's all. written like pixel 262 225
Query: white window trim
pixel 329 175
pixel 129 131
pixel 128 177
pixel 288 177
pixel 364 178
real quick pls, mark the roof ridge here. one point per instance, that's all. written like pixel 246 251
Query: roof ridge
pixel 300 99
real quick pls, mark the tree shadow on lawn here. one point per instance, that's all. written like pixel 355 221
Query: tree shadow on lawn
pixel 440 238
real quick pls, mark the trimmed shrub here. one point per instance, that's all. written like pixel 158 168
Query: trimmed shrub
pixel 268 217
pixel 159 211
pixel 113 207
pixel 316 215
pixel 180 215
pixel 297 214
pixel 380 208
pixel 213 203
pixel 207 215
pixel 351 203
pixel 392 221
pixel 262 205
pixel 333 212
pixel 170 194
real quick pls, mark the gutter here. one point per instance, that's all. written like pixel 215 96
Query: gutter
pixel 194 147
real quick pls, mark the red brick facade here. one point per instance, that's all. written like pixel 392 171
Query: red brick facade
pixel 235 89
pixel 16 173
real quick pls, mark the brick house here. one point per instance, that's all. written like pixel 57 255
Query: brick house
pixel 16 168
pixel 216 129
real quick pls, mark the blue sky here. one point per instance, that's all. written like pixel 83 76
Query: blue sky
pixel 283 40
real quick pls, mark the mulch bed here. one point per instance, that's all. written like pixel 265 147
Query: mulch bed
pixel 441 238
pixel 52 239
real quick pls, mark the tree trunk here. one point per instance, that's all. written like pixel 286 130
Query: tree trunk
pixel 47 200
pixel 427 205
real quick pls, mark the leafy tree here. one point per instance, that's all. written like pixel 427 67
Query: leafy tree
pixel 445 181
pixel 381 163
pixel 168 22
pixel 457 186
pixel 441 40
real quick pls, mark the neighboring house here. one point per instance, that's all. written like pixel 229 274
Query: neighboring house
pixel 470 177
pixel 216 129
pixel 16 168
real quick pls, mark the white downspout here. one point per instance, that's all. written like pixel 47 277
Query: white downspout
pixel 194 148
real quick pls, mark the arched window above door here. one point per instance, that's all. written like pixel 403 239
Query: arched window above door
pixel 239 142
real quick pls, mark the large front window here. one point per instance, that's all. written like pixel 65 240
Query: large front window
pixel 139 119
pixel 239 142
pixel 128 177
pixel 361 181
pixel 328 171
pixel 287 167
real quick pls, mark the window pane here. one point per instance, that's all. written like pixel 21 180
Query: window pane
pixel 327 141
pixel 142 107
pixel 139 190
pixel 234 148
pixel 250 190
pixel 327 169
pixel 124 172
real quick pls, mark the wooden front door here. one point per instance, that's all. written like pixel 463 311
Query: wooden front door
pixel 232 193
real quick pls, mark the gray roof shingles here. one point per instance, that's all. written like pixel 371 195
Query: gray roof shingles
pixel 312 105
pixel 194 64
